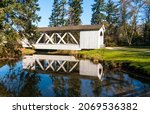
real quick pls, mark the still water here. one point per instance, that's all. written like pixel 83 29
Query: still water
pixel 54 76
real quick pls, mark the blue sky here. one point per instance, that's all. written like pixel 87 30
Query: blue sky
pixel 46 7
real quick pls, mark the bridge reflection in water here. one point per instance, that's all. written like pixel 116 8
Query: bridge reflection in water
pixel 62 64
pixel 59 76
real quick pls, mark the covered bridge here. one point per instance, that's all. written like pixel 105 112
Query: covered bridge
pixel 71 37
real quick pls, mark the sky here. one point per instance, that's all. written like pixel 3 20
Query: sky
pixel 46 7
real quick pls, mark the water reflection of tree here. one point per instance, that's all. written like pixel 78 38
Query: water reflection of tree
pixel 115 82
pixel 74 86
pixel 20 83
pixel 3 91
pixel 97 87
pixel 30 88
pixel 66 85
pixel 59 85
pixel 123 85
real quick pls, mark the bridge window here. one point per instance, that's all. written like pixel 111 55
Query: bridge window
pixel 101 33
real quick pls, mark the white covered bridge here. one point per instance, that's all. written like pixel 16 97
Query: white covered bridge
pixel 71 37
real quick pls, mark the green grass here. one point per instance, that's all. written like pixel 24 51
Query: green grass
pixel 138 58
pixel 27 51
pixel 63 52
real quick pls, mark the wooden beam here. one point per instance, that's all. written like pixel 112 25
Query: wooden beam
pixel 61 39
pixel 73 38
pixel 50 38
pixel 40 38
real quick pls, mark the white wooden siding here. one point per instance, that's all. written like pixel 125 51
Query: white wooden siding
pixel 89 39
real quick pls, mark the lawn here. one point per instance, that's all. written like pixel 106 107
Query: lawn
pixel 139 58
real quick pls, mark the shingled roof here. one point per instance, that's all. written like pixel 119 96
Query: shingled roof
pixel 70 28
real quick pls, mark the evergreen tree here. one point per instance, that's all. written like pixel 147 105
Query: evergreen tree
pixel 28 16
pixel 58 14
pixel 112 12
pixel 98 12
pixel 18 18
pixel 75 11
pixel 124 14
pixel 54 18
pixel 63 13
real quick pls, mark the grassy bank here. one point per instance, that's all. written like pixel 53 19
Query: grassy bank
pixel 63 52
pixel 27 51
pixel 9 53
pixel 136 59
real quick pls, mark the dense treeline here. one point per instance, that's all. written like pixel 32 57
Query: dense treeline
pixel 132 25
pixel 127 22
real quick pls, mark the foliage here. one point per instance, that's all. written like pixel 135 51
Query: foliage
pixel 16 22
pixel 54 18
pixel 63 13
pixel 112 11
pixel 75 11
pixel 19 16
pixel 98 12
pixel 146 28
pixel 127 29
pixel 58 14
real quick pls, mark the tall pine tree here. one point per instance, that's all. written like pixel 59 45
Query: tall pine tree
pixel 58 14
pixel 54 18
pixel 112 12
pixel 98 12
pixel 75 11
pixel 63 13
pixel 28 16
pixel 123 12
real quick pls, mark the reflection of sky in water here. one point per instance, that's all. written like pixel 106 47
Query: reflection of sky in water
pixel 45 85
pixel 4 70
pixel 62 84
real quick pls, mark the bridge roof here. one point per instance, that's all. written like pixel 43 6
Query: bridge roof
pixel 70 28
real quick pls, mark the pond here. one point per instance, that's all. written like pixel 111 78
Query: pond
pixel 60 76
